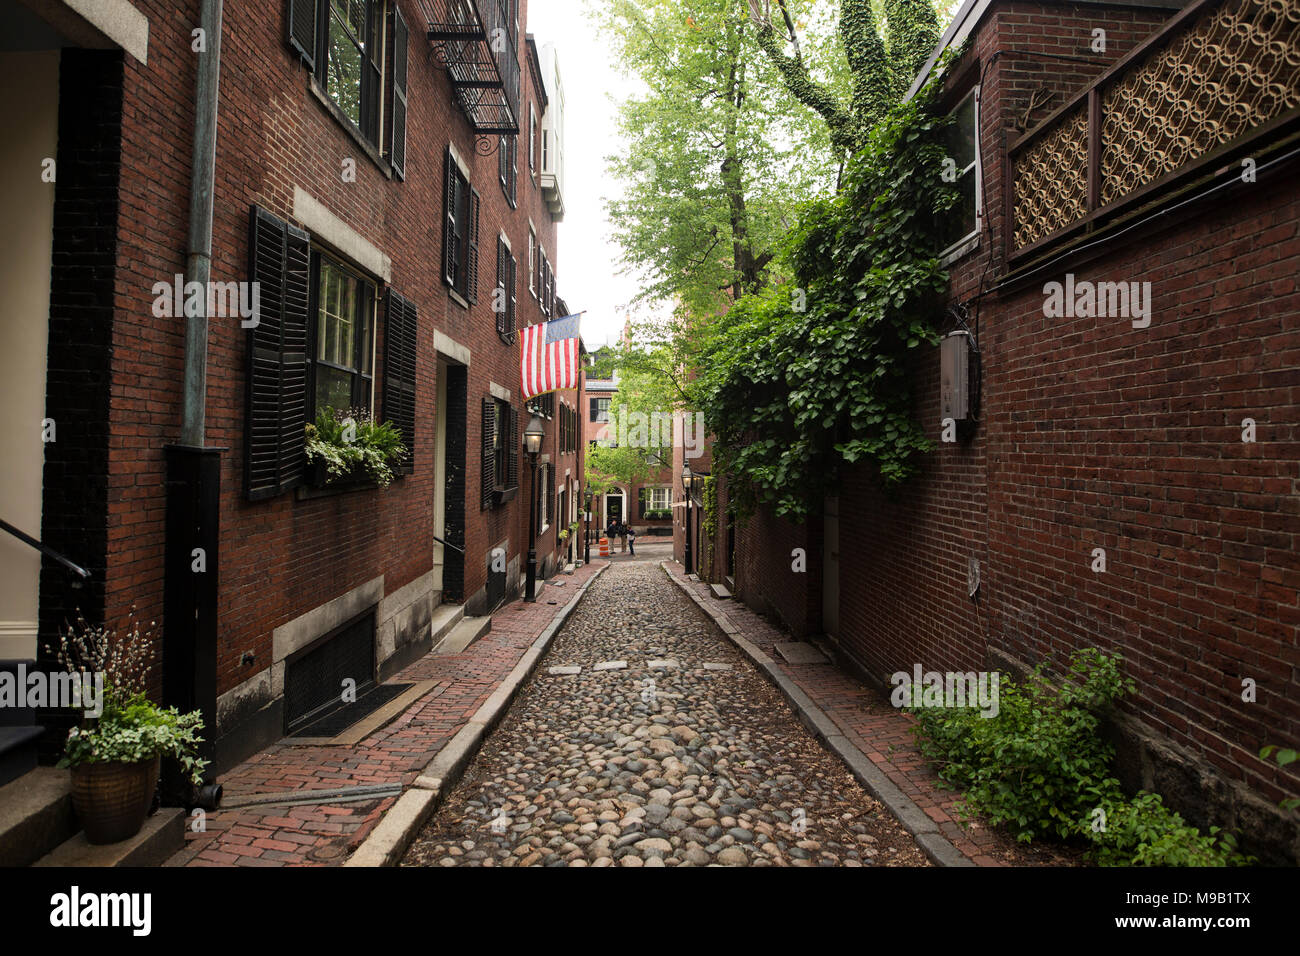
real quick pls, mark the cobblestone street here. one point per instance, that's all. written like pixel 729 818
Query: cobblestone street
pixel 666 748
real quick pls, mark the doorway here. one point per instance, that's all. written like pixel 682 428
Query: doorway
pixel 449 485
pixel 614 511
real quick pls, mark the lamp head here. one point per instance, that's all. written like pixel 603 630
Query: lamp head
pixel 533 436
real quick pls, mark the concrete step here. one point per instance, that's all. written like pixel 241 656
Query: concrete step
pixel 720 591
pixel 162 835
pixel 18 751
pixel 463 635
pixel 35 815
pixel 445 617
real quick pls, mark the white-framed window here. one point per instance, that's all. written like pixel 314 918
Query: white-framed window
pixel 532 138
pixel 660 499
pixel 532 260
pixel 963 225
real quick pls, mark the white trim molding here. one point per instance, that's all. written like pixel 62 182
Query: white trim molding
pixel 118 20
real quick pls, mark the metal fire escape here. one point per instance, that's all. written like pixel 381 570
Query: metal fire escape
pixel 477 41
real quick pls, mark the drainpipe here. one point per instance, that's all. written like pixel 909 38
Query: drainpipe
pixel 194 470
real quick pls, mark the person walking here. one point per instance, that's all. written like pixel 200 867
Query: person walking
pixel 631 540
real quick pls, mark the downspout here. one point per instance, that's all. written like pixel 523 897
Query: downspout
pixel 189 659
pixel 198 266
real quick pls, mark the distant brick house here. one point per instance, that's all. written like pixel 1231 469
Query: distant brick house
pixel 644 505
pixel 390 173
pixel 1152 427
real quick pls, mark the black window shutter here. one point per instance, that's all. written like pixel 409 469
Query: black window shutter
pixel 499 298
pixel 277 358
pixel 511 290
pixel 512 450
pixel 501 164
pixel 397 149
pixel 641 501
pixel 489 453
pixel 449 225
pixel 400 331
pixel 595 408
pixel 302 30
pixel 472 231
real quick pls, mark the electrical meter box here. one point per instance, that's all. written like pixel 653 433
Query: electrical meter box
pixel 954 376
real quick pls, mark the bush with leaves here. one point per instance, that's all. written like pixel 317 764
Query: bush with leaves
pixel 803 376
pixel 351 443
pixel 1142 831
pixel 1041 766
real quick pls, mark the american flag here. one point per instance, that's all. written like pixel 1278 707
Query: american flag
pixel 550 356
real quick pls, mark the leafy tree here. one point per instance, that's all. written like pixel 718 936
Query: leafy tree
pixel 813 373
pixel 721 153
pixel 881 68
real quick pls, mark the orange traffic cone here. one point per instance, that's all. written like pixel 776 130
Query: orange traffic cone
pixel 604 546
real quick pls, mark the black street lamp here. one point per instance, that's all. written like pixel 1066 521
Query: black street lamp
pixel 533 436
pixel 688 480
pixel 586 526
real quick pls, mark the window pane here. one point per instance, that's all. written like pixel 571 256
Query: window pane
pixel 961 135
pixel 343 74
pixel 961 217
pixel 333 388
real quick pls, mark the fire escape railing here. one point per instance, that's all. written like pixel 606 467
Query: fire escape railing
pixel 1219 75
pixel 477 42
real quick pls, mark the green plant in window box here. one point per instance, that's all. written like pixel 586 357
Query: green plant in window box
pixel 351 446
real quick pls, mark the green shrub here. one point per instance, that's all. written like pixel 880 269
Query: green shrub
pixel 1144 832
pixel 1041 767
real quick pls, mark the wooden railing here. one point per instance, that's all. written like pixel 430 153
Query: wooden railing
pixel 1219 74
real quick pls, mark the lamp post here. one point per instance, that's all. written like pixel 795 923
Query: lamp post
pixel 688 479
pixel 586 526
pixel 533 436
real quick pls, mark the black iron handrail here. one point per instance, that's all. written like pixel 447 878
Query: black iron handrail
pixel 43 549
pixel 448 544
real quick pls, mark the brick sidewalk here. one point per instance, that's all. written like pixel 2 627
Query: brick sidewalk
pixel 326 834
pixel 880 731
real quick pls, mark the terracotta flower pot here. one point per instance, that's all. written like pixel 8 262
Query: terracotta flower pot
pixel 113 799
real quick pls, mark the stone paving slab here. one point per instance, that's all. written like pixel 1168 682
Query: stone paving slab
pixel 878 746
pixel 326 834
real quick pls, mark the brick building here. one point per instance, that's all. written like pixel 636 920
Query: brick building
pixel 646 505
pixel 390 174
pixel 1106 146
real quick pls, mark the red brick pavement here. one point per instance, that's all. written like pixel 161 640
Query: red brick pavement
pixel 326 834
pixel 876 728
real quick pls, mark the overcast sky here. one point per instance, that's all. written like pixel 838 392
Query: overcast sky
pixel 588 268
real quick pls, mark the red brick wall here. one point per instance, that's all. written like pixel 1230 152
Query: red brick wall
pixel 1096 434
pixel 283 557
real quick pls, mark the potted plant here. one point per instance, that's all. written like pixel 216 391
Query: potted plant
pixel 114 757
pixel 350 447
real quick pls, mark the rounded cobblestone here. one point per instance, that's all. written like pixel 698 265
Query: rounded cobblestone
pixel 655 766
